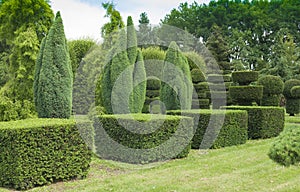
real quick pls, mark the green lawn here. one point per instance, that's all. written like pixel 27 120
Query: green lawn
pixel 239 168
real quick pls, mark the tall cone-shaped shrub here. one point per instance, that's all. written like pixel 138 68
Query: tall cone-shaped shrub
pixel 53 76
pixel 176 89
pixel 122 85
pixel 139 84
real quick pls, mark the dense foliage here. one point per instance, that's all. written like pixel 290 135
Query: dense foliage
pixel 41 151
pixel 53 81
pixel 166 137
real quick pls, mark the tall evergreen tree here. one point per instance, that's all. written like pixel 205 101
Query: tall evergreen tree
pixel 53 86
pixel 176 89
pixel 131 41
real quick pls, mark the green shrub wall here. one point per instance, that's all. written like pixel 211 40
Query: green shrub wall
pixel 244 77
pixel 263 122
pixel 245 95
pixel 36 152
pixel 144 138
pixel 227 128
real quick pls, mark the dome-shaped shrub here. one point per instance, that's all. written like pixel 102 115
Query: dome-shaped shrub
pixel 286 147
pixel 295 92
pixel 244 77
pixel 273 85
pixel 288 85
pixel 197 76
pixel 153 83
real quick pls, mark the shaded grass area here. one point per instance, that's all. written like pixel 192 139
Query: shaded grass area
pixel 239 168
pixel 292 119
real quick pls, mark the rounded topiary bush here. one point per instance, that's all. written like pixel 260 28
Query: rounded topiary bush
pixel 153 83
pixel 272 84
pixel 295 92
pixel 288 85
pixel 197 76
pixel 286 148
pixel 245 95
pixel 244 77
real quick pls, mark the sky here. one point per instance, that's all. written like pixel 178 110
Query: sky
pixel 84 18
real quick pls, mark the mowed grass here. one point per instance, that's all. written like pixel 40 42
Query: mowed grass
pixel 239 168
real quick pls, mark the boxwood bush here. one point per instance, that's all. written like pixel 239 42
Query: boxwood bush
pixel 273 85
pixel 226 128
pixel 292 98
pixel 245 95
pixel 197 76
pixel 142 138
pixel 153 83
pixel 285 149
pixel 36 152
pixel 217 78
pixel 263 121
pixel 244 77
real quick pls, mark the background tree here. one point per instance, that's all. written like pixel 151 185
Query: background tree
pixel 110 30
pixel 53 80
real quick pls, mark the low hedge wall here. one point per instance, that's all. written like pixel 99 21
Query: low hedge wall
pixel 263 122
pixel 142 138
pixel 36 152
pixel 218 128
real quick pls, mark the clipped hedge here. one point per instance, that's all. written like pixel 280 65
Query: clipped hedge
pixel 197 76
pixel 201 86
pixel 216 78
pixel 246 94
pixel 244 77
pixel 36 152
pixel 273 85
pixel 152 93
pixel 295 92
pixel 272 100
pixel 292 106
pixel 288 85
pixel 153 83
pixel 218 128
pixel 142 138
pixel 263 122
pixel 285 149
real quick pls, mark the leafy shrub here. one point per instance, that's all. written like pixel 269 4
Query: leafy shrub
pixel 244 77
pixel 195 61
pixel 292 106
pixel 263 122
pixel 152 93
pixel 244 95
pixel 270 100
pixel 154 61
pixel 285 149
pixel 197 76
pixel 153 83
pixel 218 128
pixel 41 151
pixel 217 87
pixel 273 85
pixel 142 138
pixel 201 86
pixel 288 85
pixel 216 78
pixel 201 103
pixel 295 92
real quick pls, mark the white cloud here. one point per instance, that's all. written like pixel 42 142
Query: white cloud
pixel 84 18
pixel 80 19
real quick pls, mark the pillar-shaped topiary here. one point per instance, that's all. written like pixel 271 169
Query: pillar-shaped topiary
pixel 292 97
pixel 176 90
pixel 273 87
pixel 53 77
pixel 244 93
pixel 122 87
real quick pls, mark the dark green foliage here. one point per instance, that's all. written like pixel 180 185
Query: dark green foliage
pixel 197 76
pixel 288 85
pixel 295 92
pixel 273 85
pixel 292 106
pixel 195 61
pixel 149 100
pixel 213 132
pixel 55 81
pixel 154 61
pixel 153 83
pixel 244 77
pixel 285 149
pixel 272 100
pixel 200 104
pixel 245 95
pixel 263 122
pixel 152 93
pixel 216 78
pixel 139 85
pixel 131 41
pixel 292 103
pixel 145 138
pixel 41 151
pixel 201 86
pixel 176 89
